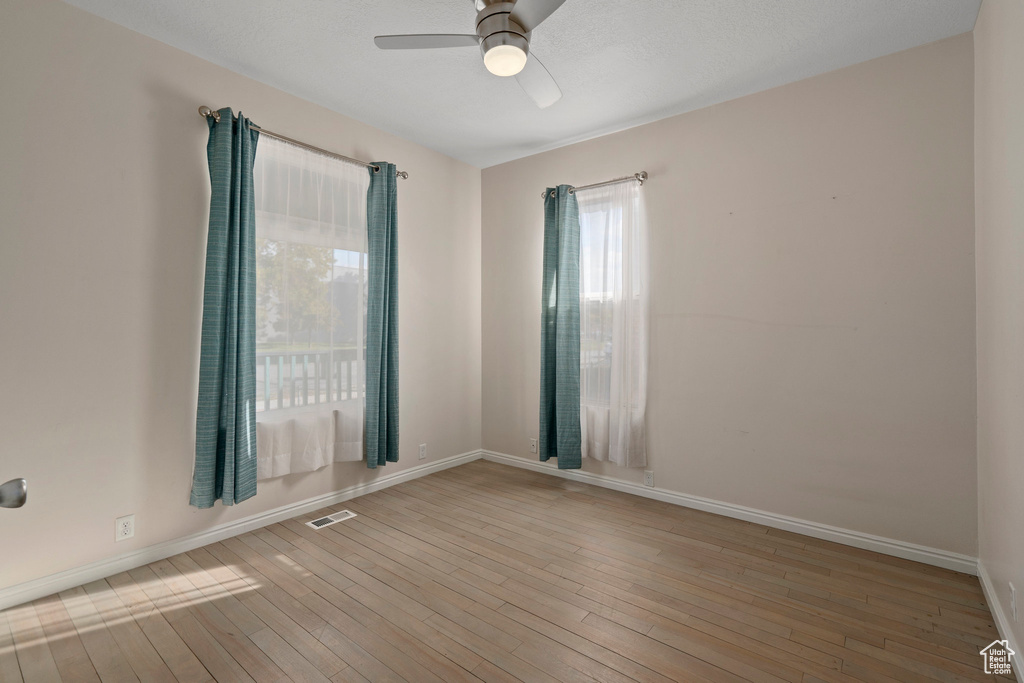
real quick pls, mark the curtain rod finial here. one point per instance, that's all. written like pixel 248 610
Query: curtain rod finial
pixel 404 175
pixel 641 177
pixel 206 112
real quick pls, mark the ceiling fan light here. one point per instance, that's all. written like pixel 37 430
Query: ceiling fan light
pixel 505 60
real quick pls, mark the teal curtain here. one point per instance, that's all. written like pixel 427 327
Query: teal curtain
pixel 225 466
pixel 381 429
pixel 560 331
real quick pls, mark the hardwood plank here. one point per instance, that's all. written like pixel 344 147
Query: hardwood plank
pixel 677 663
pixel 432 660
pixel 304 642
pixel 538 644
pixel 30 644
pixel 426 634
pixel 217 661
pixel 206 612
pixel 348 675
pixel 141 656
pixel 176 654
pixel 739 660
pixel 585 646
pixel 359 659
pixel 431 597
pixel 217 555
pixel 68 652
pixel 401 663
pixel 286 657
pixel 9 668
pixel 226 597
pixel 950 672
pixel 500 657
pixel 377 580
pixel 491 673
pixel 104 653
pixel 485 572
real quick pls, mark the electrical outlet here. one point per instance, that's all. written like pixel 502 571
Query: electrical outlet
pixel 124 527
pixel 648 478
pixel 423 451
pixel 533 445
pixel 1013 602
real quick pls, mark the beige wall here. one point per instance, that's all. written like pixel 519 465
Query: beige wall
pixel 999 167
pixel 813 305
pixel 812 325
pixel 103 200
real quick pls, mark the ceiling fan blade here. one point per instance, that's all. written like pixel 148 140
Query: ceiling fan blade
pixel 529 13
pixel 538 83
pixel 418 41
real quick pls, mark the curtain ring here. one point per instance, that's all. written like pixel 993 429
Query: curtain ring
pixel 376 169
pixel 572 190
pixel 552 194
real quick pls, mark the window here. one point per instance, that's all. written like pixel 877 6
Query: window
pixel 600 268
pixel 310 308
pixel 613 323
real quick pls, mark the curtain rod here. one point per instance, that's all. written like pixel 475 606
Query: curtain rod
pixel 206 112
pixel 636 177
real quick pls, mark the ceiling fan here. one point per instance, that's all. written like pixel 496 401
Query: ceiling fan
pixel 503 32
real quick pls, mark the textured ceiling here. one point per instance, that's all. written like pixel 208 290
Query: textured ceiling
pixel 619 63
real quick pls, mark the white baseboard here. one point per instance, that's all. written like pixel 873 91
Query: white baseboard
pixel 857 539
pixel 1001 619
pixel 48 585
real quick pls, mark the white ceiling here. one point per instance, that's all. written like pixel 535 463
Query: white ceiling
pixel 619 63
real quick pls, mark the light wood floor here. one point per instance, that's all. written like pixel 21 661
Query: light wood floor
pixel 495 573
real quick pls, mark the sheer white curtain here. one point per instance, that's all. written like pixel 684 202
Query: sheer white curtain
pixel 613 323
pixel 310 308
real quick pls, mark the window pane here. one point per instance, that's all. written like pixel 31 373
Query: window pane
pixel 600 267
pixel 310 278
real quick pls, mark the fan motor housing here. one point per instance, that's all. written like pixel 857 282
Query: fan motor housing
pixel 495 27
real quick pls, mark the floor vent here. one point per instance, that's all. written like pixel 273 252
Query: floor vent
pixel 331 519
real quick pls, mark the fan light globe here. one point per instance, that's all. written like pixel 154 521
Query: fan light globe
pixel 505 60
